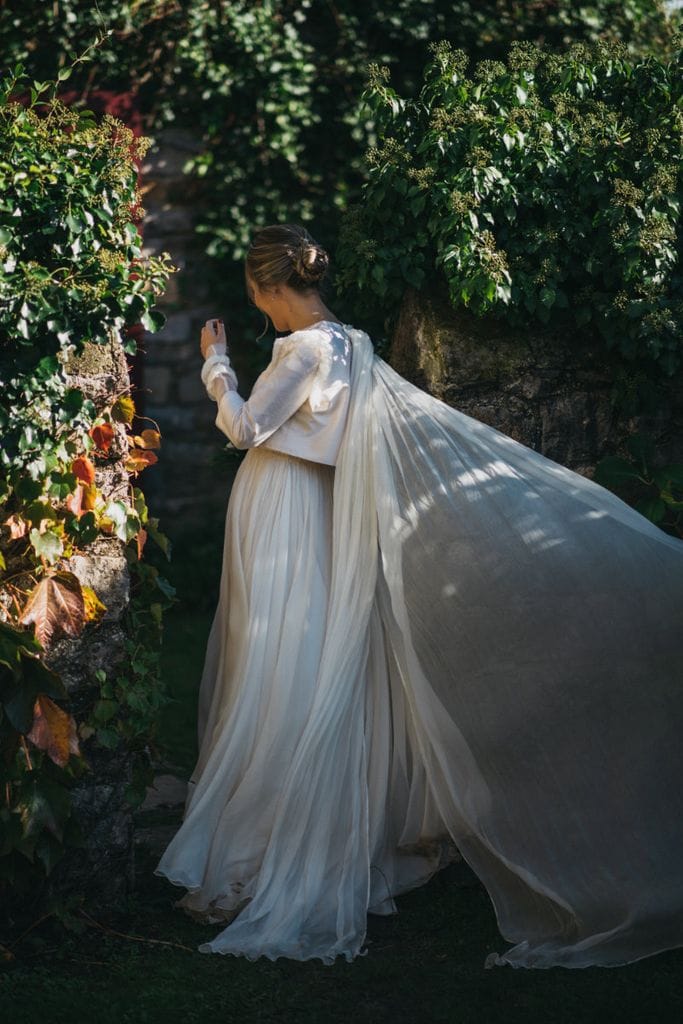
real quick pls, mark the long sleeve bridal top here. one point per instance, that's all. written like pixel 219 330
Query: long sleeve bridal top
pixel 299 403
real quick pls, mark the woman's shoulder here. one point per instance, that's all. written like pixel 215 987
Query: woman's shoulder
pixel 308 344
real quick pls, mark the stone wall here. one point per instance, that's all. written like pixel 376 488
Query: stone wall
pixel 550 395
pixel 104 868
pixel 190 480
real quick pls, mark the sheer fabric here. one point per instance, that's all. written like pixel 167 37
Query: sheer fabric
pixel 500 663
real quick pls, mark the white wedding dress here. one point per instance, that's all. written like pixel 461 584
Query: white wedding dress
pixel 445 643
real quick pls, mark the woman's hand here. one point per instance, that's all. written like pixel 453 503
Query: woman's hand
pixel 213 338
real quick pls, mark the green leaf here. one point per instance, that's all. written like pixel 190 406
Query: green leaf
pixel 108 738
pixel 44 804
pixel 653 509
pixel 47 545
pixel 153 320
pixel 669 475
pixel 104 710
pixel 612 471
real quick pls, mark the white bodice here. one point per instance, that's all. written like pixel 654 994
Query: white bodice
pixel 299 403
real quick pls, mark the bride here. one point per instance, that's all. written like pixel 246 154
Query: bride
pixel 431 642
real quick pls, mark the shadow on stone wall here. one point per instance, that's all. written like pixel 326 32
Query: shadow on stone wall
pixel 192 478
pixel 546 391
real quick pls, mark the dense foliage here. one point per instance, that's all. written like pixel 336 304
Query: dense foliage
pixel 272 86
pixel 71 273
pixel 545 189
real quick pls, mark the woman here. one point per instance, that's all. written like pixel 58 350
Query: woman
pixel 431 641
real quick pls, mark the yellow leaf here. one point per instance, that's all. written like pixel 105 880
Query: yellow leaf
pixel 123 409
pixel 148 439
pixel 94 608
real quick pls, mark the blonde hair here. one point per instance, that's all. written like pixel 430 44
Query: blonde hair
pixel 285 254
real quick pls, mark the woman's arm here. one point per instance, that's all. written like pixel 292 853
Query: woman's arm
pixel 277 394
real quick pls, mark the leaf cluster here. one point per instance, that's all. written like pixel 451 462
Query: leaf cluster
pixel 271 89
pixel 546 190
pixel 71 276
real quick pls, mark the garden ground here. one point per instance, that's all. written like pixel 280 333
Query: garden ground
pixel 425 964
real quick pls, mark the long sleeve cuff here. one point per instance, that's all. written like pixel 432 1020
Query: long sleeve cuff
pixel 230 418
pixel 216 368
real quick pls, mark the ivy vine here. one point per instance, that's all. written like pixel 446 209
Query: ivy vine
pixel 71 277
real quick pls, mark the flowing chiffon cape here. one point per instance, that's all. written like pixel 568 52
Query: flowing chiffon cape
pixel 534 621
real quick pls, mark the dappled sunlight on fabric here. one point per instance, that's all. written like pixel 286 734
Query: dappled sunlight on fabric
pixel 467 642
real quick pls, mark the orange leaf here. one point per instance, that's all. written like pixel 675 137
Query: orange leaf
pixel 138 459
pixel 102 435
pixel 141 537
pixel 53 730
pixel 56 607
pixel 83 469
pixel 123 409
pixel 89 497
pixel 148 439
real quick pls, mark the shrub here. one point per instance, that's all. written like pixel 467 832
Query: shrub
pixel 545 190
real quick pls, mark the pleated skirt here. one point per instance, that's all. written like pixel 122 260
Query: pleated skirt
pixel 256 691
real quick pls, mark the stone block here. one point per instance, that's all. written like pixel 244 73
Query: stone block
pixel 191 389
pixel 167 157
pixel 171 419
pixel 551 394
pixel 158 383
pixel 178 328
pixel 163 350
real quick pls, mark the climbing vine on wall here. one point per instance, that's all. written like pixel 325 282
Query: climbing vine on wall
pixel 71 277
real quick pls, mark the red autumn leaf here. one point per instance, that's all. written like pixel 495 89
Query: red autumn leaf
pixel 135 331
pixel 56 607
pixel 53 730
pixel 138 459
pixel 83 469
pixel 102 435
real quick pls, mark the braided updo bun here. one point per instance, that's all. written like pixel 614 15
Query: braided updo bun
pixel 286 254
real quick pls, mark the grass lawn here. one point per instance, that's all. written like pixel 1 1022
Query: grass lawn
pixel 424 964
